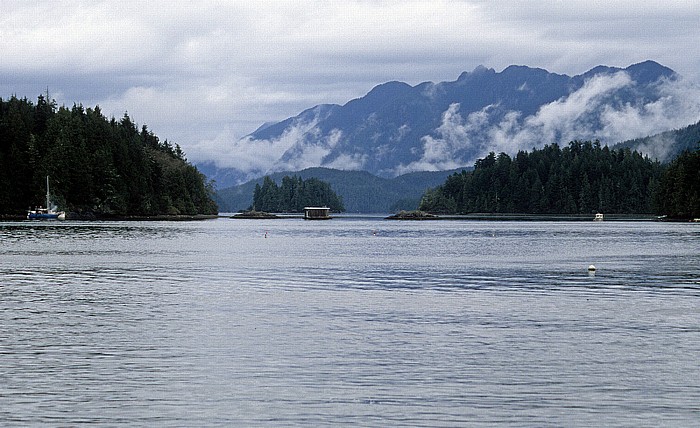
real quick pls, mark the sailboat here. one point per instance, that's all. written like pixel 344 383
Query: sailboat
pixel 48 213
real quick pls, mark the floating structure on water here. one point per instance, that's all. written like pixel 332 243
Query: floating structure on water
pixel 598 217
pixel 317 213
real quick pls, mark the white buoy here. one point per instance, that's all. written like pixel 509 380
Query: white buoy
pixel 591 268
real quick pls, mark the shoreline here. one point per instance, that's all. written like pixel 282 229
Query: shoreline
pixel 549 217
pixel 437 217
pixel 77 217
pixel 424 216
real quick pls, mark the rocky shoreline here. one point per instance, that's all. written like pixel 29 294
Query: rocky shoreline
pixel 255 215
pixel 413 215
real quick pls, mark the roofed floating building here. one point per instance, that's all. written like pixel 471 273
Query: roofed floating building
pixel 317 213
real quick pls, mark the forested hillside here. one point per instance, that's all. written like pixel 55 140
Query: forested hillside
pixel 361 191
pixel 294 194
pixel 98 166
pixel 580 178
pixel 665 146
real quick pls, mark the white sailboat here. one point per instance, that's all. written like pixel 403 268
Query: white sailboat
pixel 48 213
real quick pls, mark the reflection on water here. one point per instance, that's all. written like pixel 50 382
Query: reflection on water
pixel 349 322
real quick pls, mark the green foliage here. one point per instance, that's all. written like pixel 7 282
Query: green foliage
pixel 294 194
pixel 580 178
pixel 97 166
pixel 678 195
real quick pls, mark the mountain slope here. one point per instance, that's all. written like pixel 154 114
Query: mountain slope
pixel 398 128
pixel 361 191
pixel 667 145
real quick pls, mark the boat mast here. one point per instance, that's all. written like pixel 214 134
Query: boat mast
pixel 48 195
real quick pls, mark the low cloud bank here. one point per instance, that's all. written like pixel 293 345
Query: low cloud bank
pixel 300 146
pixel 585 114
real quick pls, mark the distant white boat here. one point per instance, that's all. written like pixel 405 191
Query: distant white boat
pixel 48 213
pixel 598 217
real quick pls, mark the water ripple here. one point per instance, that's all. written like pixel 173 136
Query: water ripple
pixel 362 322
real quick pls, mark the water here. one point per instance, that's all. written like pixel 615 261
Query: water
pixel 353 321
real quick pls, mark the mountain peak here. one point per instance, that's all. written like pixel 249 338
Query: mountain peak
pixel 480 70
pixel 389 89
pixel 523 71
pixel 649 71
pixel 643 73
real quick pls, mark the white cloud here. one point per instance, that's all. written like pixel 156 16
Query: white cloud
pixel 300 146
pixel 198 72
pixel 307 152
pixel 348 162
pixel 657 147
pixel 560 121
pixel 678 106
pixel 454 134
pixel 400 133
pixel 570 118
pixel 585 114
pixel 251 156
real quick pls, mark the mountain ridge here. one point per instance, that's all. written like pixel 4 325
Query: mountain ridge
pixel 397 128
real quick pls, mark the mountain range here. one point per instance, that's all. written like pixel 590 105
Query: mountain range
pixel 398 128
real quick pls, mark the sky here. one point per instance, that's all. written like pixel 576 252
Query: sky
pixel 207 73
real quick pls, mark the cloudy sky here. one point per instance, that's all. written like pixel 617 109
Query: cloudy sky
pixel 205 73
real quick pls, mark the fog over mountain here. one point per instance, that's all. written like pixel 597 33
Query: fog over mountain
pixel 397 128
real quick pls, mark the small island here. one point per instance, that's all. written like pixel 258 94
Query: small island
pixel 296 195
pixel 413 215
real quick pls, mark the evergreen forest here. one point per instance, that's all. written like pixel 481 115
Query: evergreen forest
pixel 294 194
pixel 580 178
pixel 98 167
pixel 678 195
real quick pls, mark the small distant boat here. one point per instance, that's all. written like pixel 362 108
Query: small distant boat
pixel 48 213
pixel 598 217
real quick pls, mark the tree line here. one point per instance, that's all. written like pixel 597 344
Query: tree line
pixel 294 194
pixel 582 177
pixel 97 166
pixel 679 193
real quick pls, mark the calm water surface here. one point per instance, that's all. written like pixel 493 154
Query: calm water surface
pixel 353 321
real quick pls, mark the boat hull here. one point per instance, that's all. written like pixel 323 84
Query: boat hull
pixel 48 213
pixel 46 216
